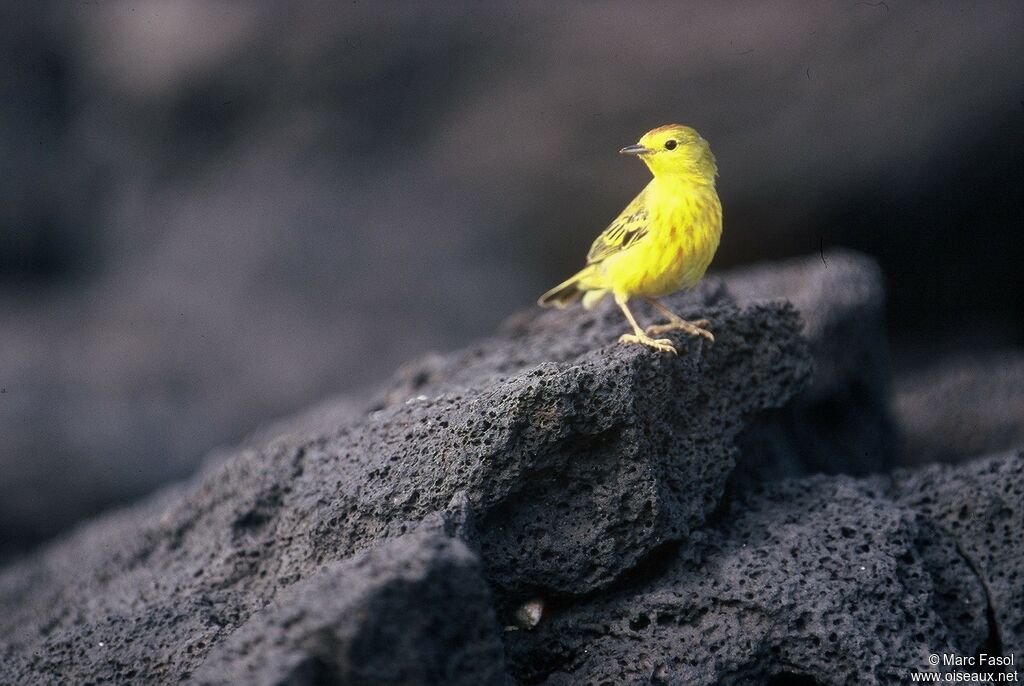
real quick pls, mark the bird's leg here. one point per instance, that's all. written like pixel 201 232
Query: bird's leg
pixel 677 323
pixel 638 335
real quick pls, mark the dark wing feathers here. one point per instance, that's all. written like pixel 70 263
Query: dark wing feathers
pixel 627 229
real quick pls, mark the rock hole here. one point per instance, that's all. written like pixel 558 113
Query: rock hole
pixel 640 622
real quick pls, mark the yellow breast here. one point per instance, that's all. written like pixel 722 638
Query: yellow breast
pixel 684 229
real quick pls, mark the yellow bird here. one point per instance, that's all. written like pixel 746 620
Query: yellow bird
pixel 662 242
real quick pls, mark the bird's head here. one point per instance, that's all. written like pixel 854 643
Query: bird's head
pixel 676 150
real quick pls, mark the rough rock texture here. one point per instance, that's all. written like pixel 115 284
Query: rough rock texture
pixel 981 507
pixel 834 580
pixel 602 441
pixel 964 406
pixel 576 458
pixel 412 610
pixel 549 506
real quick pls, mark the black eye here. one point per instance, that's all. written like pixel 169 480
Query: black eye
pixel 670 145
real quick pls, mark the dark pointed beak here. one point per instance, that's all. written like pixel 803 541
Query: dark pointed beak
pixel 635 150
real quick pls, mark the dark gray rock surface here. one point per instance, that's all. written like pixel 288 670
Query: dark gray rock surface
pixel 616 498
pixel 981 507
pixel 816 434
pixel 576 458
pixel 414 610
pixel 835 580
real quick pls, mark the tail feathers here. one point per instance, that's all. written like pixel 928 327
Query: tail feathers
pixel 569 291
pixel 563 295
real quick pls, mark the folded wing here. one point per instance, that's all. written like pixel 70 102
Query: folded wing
pixel 629 227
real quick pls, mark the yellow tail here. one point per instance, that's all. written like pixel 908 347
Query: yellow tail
pixel 572 289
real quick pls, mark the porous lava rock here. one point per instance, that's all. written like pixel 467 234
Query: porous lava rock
pixel 575 456
pixel 980 506
pixel 826 581
pixel 550 506
pixel 413 610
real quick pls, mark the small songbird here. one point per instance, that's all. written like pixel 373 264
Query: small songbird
pixel 662 242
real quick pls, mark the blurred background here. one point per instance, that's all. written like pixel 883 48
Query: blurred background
pixel 213 214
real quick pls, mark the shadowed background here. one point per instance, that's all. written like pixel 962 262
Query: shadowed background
pixel 213 214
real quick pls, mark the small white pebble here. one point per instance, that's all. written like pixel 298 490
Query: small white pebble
pixel 529 613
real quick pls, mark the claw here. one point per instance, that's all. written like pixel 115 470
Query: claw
pixel 662 344
pixel 694 328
